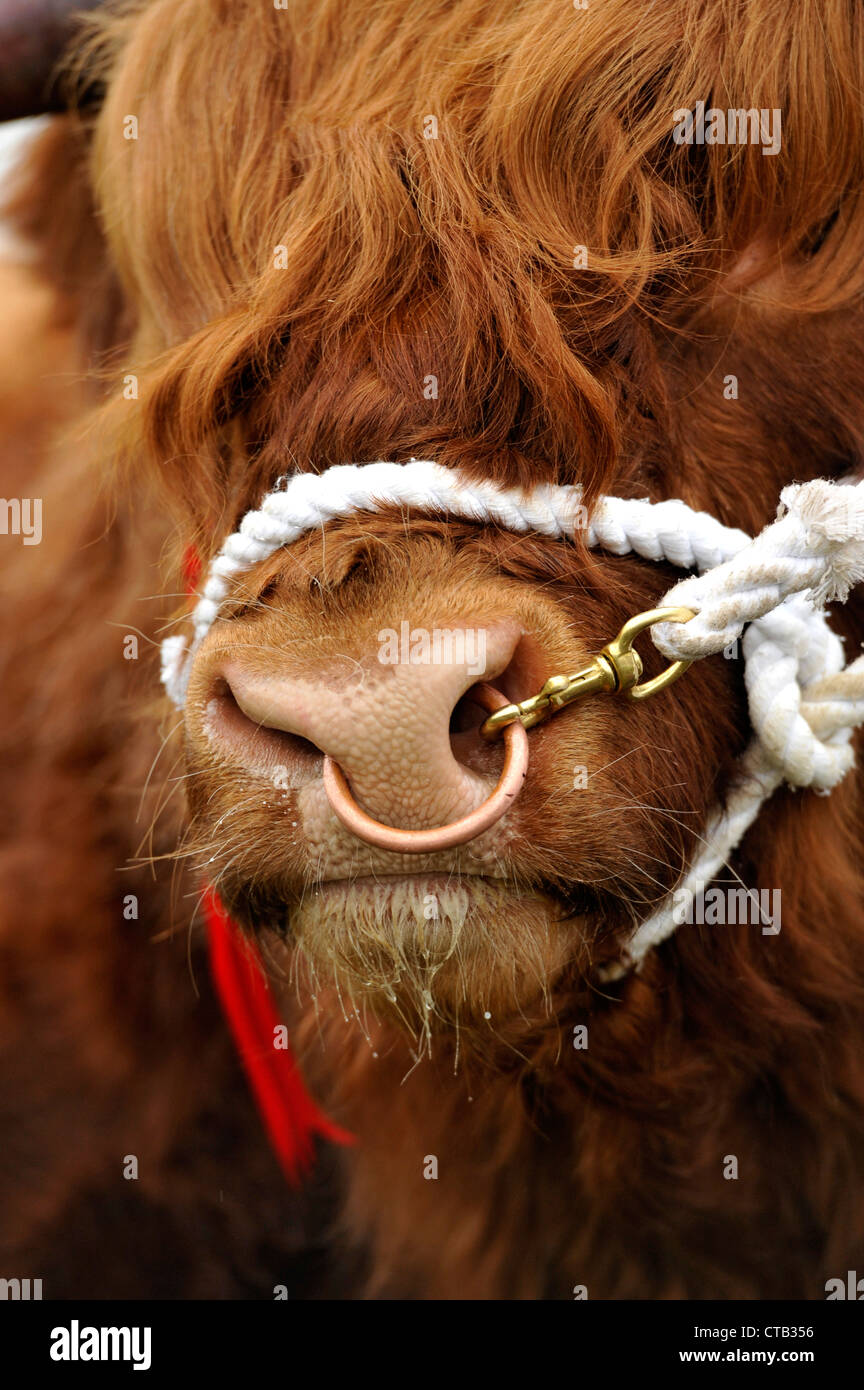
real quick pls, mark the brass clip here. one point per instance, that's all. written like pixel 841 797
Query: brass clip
pixel 616 669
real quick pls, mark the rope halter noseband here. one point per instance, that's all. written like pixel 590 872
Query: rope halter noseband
pixel 803 701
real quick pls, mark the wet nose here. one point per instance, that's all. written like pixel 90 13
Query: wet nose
pixel 397 723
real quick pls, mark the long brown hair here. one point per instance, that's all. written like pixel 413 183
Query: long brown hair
pixel 359 200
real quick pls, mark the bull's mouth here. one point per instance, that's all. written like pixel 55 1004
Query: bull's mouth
pixel 427 894
pixel 450 899
pixel 434 945
pixel 432 880
pixel 434 948
pixel 422 911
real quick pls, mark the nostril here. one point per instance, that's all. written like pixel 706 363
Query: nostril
pixel 467 746
pixel 256 744
pixel 467 715
pixel 523 675
pixel 525 672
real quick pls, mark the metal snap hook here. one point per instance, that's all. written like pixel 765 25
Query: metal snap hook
pixel 616 670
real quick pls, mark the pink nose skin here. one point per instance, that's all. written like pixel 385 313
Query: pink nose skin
pixel 391 770
pixel 458 832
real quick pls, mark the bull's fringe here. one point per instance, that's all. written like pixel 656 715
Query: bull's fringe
pixel 463 252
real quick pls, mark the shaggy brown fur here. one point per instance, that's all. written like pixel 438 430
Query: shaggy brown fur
pixel 407 256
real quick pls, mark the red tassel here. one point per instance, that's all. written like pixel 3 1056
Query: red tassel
pixel 290 1115
pixel 191 568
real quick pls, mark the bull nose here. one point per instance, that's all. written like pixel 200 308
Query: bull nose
pixel 398 723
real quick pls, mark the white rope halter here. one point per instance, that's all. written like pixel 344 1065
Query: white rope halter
pixel 804 703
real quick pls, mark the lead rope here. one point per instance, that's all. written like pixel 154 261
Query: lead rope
pixel 803 702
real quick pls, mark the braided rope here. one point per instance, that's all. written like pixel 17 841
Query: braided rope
pixel 833 706
pixel 803 704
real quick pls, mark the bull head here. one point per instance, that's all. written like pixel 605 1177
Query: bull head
pixel 33 37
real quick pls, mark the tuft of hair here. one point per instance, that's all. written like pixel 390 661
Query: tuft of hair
pixel 355 213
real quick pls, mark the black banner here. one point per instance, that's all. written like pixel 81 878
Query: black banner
pixel 81 1340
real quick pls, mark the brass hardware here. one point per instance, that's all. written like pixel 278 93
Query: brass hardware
pixel 616 669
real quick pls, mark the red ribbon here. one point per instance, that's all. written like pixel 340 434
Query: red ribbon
pixel 290 1115
pixel 191 568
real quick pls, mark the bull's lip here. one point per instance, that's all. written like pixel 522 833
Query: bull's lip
pixel 439 881
pixel 425 876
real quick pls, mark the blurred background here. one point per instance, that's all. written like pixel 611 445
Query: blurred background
pixel 14 139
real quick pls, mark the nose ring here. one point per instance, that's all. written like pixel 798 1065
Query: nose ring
pixel 355 819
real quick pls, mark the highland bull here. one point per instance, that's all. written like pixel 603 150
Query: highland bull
pixel 249 250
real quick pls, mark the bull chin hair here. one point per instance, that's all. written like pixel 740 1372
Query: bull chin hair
pixel 474 964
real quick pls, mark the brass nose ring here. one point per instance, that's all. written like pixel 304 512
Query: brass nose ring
pixel 355 819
